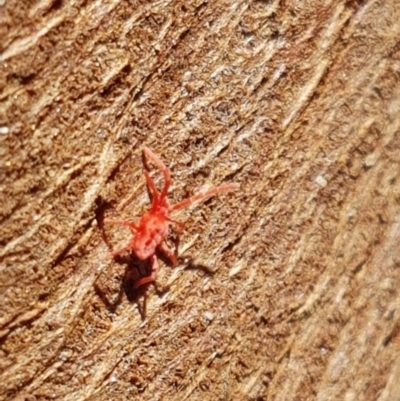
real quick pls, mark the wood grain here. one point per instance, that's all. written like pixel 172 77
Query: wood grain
pixel 285 290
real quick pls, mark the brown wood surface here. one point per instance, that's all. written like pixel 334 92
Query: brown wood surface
pixel 285 290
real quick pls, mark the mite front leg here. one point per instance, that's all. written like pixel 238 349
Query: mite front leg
pixel 152 277
pixel 204 195
pixel 164 169
pixel 125 223
pixel 153 190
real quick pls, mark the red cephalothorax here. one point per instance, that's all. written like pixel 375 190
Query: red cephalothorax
pixel 152 229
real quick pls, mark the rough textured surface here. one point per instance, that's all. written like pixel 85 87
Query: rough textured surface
pixel 299 102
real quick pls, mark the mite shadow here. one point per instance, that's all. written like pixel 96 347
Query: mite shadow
pixel 112 295
pixel 133 270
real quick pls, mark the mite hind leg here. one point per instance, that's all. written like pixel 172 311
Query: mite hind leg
pixel 152 277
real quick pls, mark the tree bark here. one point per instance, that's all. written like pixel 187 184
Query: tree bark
pixel 285 290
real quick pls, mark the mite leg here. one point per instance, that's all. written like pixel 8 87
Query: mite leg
pixel 169 253
pixel 152 277
pixel 204 195
pixel 153 190
pixel 181 226
pixel 125 248
pixel 163 168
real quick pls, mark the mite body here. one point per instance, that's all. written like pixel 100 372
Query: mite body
pixel 151 231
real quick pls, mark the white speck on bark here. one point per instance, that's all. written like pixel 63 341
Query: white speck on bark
pixel 321 181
